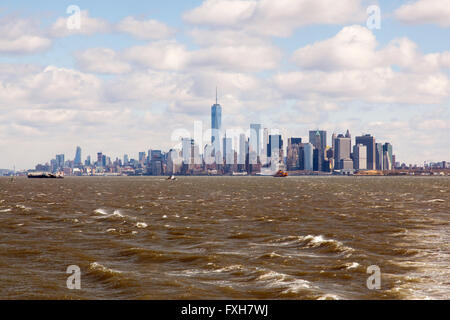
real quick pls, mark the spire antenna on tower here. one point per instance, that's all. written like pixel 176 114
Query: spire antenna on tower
pixel 216 94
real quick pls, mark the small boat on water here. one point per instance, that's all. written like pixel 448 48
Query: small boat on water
pixel 44 175
pixel 172 178
pixel 280 174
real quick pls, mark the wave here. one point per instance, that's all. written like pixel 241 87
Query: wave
pixel 99 269
pixel 311 241
pixel 141 225
pixel 290 284
pixel 21 206
pixel 329 297
pixel 435 200
pixel 101 211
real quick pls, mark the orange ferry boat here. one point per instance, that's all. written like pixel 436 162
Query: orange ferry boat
pixel 281 174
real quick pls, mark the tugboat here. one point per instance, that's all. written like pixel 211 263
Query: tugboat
pixel 281 174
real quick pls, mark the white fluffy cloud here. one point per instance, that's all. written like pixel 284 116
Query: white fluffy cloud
pixel 145 29
pixel 21 36
pixel 355 47
pixel 170 55
pixel 425 11
pixel 350 66
pixel 161 55
pixel 88 26
pixel 141 29
pixel 379 85
pixel 49 87
pixel 275 18
pixel 102 60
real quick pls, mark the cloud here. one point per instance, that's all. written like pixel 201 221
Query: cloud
pixel 145 29
pixel 351 66
pixel 21 36
pixel 101 60
pixel 379 85
pixel 161 55
pixel 274 18
pixel 141 29
pixel 88 26
pixel 353 47
pixel 170 55
pixel 425 11
pixel 224 37
pixel 50 87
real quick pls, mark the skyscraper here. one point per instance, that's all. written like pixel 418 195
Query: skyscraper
pixel 216 128
pixel 360 157
pixel 379 165
pixel 388 161
pixel 293 153
pixel 186 150
pixel 255 143
pixel 77 160
pixel 319 142
pixel 369 142
pixel 228 151
pixel 100 159
pixel 342 150
pixel 142 157
pixel 275 147
pixel 242 149
pixel 318 138
pixel 308 157
pixel 60 161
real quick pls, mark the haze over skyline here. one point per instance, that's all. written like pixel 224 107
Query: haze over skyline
pixel 135 72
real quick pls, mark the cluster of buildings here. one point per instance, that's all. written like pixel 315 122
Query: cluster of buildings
pixel 256 151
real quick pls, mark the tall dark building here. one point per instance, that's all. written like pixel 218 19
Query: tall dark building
pixel 379 165
pixel 275 144
pixel 293 153
pixel 369 142
pixel 100 159
pixel 318 138
pixel 77 160
pixel 321 143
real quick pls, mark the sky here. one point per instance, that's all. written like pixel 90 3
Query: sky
pixel 135 75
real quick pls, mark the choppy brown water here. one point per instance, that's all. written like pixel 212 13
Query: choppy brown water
pixel 225 237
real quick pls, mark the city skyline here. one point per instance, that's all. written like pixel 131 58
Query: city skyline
pixel 252 152
pixel 254 140
pixel 134 72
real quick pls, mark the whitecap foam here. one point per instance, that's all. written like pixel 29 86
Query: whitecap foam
pixel 329 297
pixel 5 210
pixel 21 206
pixel 319 241
pixel 236 267
pixel 141 225
pixel 95 266
pixel 101 211
pixel 117 214
pixel 352 265
pixel 290 284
